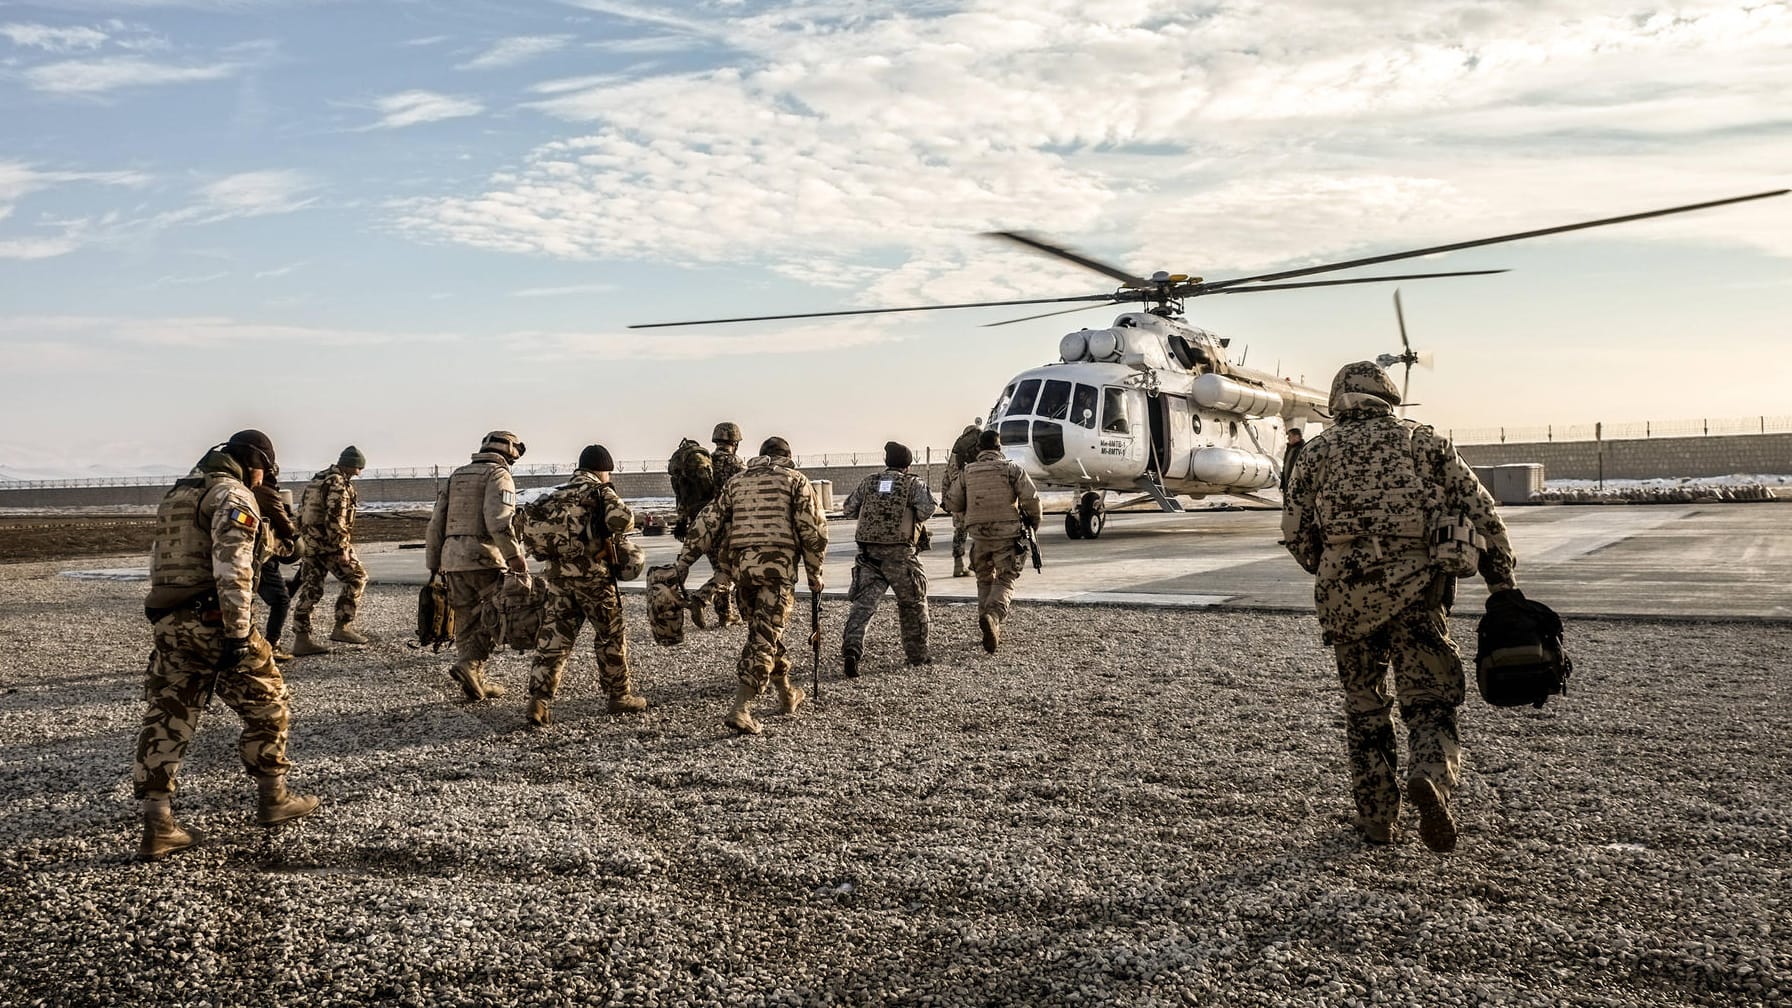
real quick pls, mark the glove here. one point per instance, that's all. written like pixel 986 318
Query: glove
pixel 231 653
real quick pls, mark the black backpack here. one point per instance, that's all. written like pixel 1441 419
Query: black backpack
pixel 1518 652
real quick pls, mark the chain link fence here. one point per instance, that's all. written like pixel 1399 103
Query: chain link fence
pixel 1630 430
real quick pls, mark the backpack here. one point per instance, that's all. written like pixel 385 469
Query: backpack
pixel 556 525
pixel 666 605
pixel 1518 652
pixel 435 619
pixel 693 476
pixel 512 611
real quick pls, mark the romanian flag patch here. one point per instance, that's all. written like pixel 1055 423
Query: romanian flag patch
pixel 242 517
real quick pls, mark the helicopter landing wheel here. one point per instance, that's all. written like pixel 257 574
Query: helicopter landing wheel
pixel 1073 525
pixel 1091 516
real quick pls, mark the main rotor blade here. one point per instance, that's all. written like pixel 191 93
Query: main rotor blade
pixel 1041 245
pixel 1358 280
pixel 1390 257
pixel 873 311
pixel 1400 315
pixel 1049 314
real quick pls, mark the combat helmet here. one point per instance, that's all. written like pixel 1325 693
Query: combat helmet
pixel 1363 378
pixel 504 443
pixel 726 432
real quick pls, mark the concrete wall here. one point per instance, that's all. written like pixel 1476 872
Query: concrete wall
pixel 1646 458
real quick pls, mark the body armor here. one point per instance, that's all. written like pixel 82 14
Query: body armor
pixel 762 516
pixel 183 549
pixel 1381 494
pixel 989 493
pixel 885 514
pixel 466 500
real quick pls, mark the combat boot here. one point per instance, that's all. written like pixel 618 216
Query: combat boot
pixel 699 607
pixel 741 717
pixel 304 644
pixel 279 805
pixel 790 698
pixel 849 662
pixel 1436 826
pixel 958 567
pixel 725 610
pixel 992 632
pixel 1376 834
pixel 472 684
pixel 537 713
pixel 627 703
pixel 347 634
pixel 162 836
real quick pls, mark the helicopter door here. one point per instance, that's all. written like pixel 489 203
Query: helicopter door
pixel 1159 414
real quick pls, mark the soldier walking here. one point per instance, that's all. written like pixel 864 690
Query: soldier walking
pixel 725 464
pixel 996 501
pixel 282 530
pixel 1374 508
pixel 209 537
pixel 892 508
pixel 470 543
pixel 327 527
pixel 582 586
pixel 771 517
pixel 964 452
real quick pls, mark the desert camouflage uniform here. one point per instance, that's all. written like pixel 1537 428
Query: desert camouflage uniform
pixel 890 507
pixel 726 465
pixel 583 588
pixel 771 515
pixel 1358 513
pixel 471 542
pixel 209 540
pixel 992 498
pixel 964 452
pixel 327 526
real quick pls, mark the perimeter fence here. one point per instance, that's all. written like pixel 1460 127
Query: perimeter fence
pixel 1630 430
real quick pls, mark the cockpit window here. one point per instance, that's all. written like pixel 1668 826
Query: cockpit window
pixel 1113 412
pixel 1002 403
pixel 1054 400
pixel 1024 395
pixel 1082 406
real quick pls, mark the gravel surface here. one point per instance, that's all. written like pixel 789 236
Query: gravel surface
pixel 1124 806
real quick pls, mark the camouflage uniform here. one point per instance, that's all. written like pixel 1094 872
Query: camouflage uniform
pixel 964 452
pixel 471 543
pixel 890 507
pixel 1359 513
pixel 580 588
pixel 992 499
pixel 771 517
pixel 327 526
pixel 282 529
pixel 202 578
pixel 716 591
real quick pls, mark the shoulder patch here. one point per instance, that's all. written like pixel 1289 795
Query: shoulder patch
pixel 242 517
pixel 508 496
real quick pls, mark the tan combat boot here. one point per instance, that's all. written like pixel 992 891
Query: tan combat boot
pixel 162 836
pixel 741 717
pixel 992 632
pixel 347 634
pixel 725 609
pixel 789 697
pixel 1436 826
pixel 472 684
pixel 958 567
pixel 279 805
pixel 627 703
pixel 304 644
pixel 537 713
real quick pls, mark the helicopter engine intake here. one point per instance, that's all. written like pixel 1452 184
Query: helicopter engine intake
pixel 1221 393
pixel 1233 467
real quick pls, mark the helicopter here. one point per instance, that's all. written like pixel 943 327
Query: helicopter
pixel 1153 405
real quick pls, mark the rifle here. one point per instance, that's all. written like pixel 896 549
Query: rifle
pixel 1026 532
pixel 815 638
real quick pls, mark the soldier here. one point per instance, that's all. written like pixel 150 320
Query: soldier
pixel 202 577
pixel 282 528
pixel 770 515
pixel 582 586
pixel 725 463
pixel 964 452
pixel 327 525
pixel 470 543
pixel 1366 503
pixel 1290 454
pixel 892 508
pixel 994 499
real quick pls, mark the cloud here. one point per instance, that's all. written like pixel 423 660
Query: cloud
pixel 514 50
pixel 19 180
pixel 590 288
pixel 412 108
pixel 86 77
pixel 201 331
pixel 54 39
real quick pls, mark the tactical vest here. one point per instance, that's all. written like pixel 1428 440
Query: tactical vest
pixel 885 516
pixel 988 493
pixel 183 547
pixel 317 494
pixel 466 500
pixel 763 515
pixel 1374 487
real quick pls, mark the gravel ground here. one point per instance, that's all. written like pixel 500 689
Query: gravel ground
pixel 1138 807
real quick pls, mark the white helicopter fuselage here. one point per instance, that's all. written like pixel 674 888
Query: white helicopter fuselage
pixel 1150 404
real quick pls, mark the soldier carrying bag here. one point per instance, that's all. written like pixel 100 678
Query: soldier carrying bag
pixel 1518 652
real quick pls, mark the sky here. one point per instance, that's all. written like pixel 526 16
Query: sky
pixel 402 223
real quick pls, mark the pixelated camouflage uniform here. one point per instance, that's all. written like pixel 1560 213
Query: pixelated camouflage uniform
pixel 771 515
pixel 582 587
pixel 726 465
pixel 891 507
pixel 964 452
pixel 470 541
pixel 1358 513
pixel 992 499
pixel 327 526
pixel 209 538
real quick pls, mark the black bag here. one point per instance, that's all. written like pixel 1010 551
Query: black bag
pixel 1518 652
pixel 435 619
